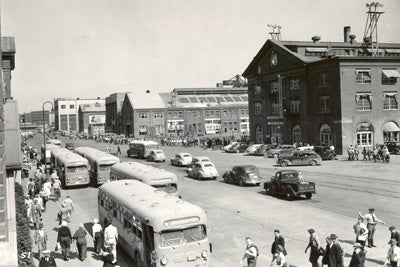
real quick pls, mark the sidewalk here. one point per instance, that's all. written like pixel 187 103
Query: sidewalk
pixel 50 224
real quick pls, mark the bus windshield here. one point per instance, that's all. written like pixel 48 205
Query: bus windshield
pixel 76 169
pixel 104 167
pixel 168 188
pixel 177 237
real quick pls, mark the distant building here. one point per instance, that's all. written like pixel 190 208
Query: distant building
pixel 113 113
pixel 92 118
pixel 324 93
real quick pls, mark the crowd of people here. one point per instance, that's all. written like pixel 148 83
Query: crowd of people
pixel 377 154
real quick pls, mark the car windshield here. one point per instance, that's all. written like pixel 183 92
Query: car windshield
pixel 186 156
pixel 189 235
pixel 168 188
pixel 251 169
pixel 208 165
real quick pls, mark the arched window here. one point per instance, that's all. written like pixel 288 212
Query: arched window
pixel 325 135
pixel 296 133
pixel 365 134
pixel 259 134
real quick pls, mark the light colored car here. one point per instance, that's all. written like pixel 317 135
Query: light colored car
pixel 198 159
pixel 181 159
pixel 226 148
pixel 202 170
pixel 274 152
pixel 156 155
pixel 252 149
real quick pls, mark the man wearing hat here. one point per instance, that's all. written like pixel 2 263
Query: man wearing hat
pixel 393 256
pixel 41 240
pixel 47 260
pixel 314 244
pixel 358 257
pixel 371 220
pixel 336 253
pixel 394 234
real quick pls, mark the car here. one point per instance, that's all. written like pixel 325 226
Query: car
pixel 274 152
pixel 198 159
pixel 205 169
pixel 252 149
pixel 156 155
pixel 238 148
pixel 229 146
pixel 242 175
pixel 299 158
pixel 290 184
pixel 181 159
pixel 262 150
pixel 69 146
pixel 325 152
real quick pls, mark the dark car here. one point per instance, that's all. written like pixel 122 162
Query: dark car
pixel 299 158
pixel 238 148
pixel 69 146
pixel 325 152
pixel 243 174
pixel 393 147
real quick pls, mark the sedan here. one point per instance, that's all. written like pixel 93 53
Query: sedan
pixel 156 156
pixel 243 174
pixel 181 159
pixel 238 148
pixel 299 158
pixel 202 170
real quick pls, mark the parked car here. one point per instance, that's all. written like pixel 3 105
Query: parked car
pixel 69 146
pixel 243 174
pixel 274 152
pixel 289 183
pixel 198 159
pixel 229 146
pixel 263 150
pixel 156 155
pixel 238 148
pixel 325 152
pixel 393 147
pixel 252 149
pixel 181 159
pixel 202 170
pixel 299 158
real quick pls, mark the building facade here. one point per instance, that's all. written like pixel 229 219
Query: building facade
pixel 324 93
pixel 113 113
pixel 92 118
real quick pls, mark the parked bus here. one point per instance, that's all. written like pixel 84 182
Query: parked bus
pixel 54 142
pixel 156 177
pixel 141 149
pixel 46 155
pixel 155 228
pixel 99 163
pixel 72 169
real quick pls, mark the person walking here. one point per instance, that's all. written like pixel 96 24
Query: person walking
pixel 279 240
pixel 394 234
pixel 325 257
pixel 278 259
pixel 361 231
pixel 81 244
pixel 314 246
pixel 63 214
pixel 28 206
pixel 47 260
pixel 250 254
pixel 118 150
pixel 64 238
pixel 30 186
pixel 372 220
pixel 36 214
pixel 69 204
pixel 97 232
pixel 41 240
pixel 47 193
pixel 358 257
pixel 336 253
pixel 393 255
pixel 57 188
pixel 111 238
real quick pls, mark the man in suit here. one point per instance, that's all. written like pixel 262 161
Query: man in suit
pixel 336 253
pixel 279 240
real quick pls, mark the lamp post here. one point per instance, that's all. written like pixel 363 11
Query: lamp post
pixel 44 134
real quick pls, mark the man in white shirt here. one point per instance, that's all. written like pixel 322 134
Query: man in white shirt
pixel 97 233
pixel 111 238
pixel 372 220
pixel 393 257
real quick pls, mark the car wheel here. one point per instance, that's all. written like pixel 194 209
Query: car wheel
pixel 270 190
pixel 313 163
pixel 283 164
pixel 308 195
pixel 215 178
pixel 241 182
pixel 226 180
pixel 199 176
pixel 288 193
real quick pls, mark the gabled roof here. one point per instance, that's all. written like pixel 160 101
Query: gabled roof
pixel 144 100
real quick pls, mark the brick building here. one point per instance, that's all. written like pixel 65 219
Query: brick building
pixel 113 113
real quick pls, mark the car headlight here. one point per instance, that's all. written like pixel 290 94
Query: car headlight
pixel 164 261
pixel 204 253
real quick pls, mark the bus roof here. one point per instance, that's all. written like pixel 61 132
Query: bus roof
pixel 161 210
pixel 100 157
pixel 82 150
pixel 144 142
pixel 71 159
pixel 58 151
pixel 143 172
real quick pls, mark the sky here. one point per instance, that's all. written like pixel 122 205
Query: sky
pixel 93 48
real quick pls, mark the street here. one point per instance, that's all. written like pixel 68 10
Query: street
pixel 343 189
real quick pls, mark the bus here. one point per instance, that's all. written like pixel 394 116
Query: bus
pixel 156 177
pixel 46 155
pixel 72 169
pixel 99 163
pixel 54 142
pixel 155 228
pixel 141 149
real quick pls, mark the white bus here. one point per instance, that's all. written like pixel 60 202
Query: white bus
pixel 72 169
pixel 156 177
pixel 99 163
pixel 141 149
pixel 155 228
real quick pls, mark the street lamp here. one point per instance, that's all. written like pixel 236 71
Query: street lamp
pixel 44 134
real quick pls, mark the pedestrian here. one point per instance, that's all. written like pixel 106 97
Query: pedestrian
pixel 358 257
pixel 108 258
pixel 111 238
pixel 41 240
pixel 314 246
pixel 361 231
pixel 394 234
pixel 336 253
pixel 57 189
pixel 250 254
pixel 63 214
pixel 30 186
pixel 64 238
pixel 36 214
pixel 372 220
pixel 69 204
pixel 97 235
pixel 279 240
pixel 393 255
pixel 47 260
pixel 118 150
pixel 279 259
pixel 28 206
pixel 81 244
pixel 325 257
pixel 54 175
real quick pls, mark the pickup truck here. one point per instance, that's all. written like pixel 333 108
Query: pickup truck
pixel 290 184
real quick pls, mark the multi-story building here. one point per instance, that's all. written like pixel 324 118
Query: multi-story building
pixel 113 113
pixel 66 112
pixel 92 118
pixel 324 93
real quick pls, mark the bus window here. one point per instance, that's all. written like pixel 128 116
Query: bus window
pixel 194 234
pixel 190 235
pixel 171 238
pixel 168 188
pixel 104 167
pixel 76 169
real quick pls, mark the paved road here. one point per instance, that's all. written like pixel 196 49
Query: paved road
pixel 344 188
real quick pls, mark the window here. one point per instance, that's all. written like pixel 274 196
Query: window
pixel 225 113
pixel 180 114
pixel 242 112
pixel 325 135
pixel 274 59
pixel 207 113
pixel 169 114
pixel 389 76
pixel 275 106
pixel 259 134
pixel 257 90
pixel 323 104
pixel 295 106
pixel 274 87
pixel 323 79
pixel 363 76
pixel 364 101
pixel 217 113
pixel 63 106
pixel 257 108
pixel 158 115
pixel 71 106
pixel 390 101
pixel 294 84
pixel 365 135
pixel 142 129
pixel 143 115
pixel 212 112
pixel 296 133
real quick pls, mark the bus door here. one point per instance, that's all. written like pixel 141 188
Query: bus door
pixel 148 240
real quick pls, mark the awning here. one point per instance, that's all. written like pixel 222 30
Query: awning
pixel 391 127
pixel 391 73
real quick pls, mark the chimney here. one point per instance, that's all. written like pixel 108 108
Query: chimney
pixel 346 32
pixel 316 39
pixel 352 38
